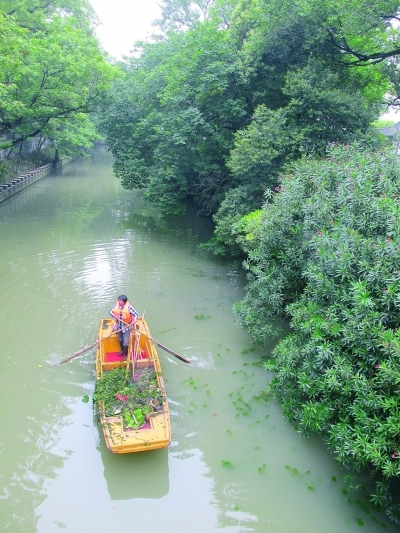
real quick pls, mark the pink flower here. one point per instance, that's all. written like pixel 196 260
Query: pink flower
pixel 277 188
pixel 121 398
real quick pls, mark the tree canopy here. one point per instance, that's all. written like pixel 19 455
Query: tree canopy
pixel 184 104
pixel 52 71
pixel 232 91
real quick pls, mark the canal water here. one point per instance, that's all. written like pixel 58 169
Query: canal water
pixel 69 246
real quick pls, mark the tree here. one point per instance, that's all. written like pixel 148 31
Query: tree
pixel 247 88
pixel 362 33
pixel 51 69
pixel 183 14
pixel 170 121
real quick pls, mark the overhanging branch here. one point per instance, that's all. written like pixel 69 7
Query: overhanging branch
pixel 360 58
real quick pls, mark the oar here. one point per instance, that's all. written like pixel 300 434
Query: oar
pixel 87 348
pixel 155 341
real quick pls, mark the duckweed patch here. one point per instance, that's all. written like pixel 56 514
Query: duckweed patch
pixel 201 317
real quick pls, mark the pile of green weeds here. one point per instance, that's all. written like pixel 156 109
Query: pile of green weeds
pixel 116 393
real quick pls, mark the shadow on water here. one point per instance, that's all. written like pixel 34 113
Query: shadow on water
pixel 136 475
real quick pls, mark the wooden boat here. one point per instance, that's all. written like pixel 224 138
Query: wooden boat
pixel 125 432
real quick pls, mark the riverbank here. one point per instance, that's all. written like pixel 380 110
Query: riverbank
pixel 10 188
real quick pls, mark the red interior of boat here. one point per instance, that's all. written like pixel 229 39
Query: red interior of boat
pixel 111 357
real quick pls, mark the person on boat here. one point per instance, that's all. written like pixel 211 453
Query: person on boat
pixel 124 315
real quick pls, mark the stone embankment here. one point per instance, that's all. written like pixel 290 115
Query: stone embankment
pixel 22 182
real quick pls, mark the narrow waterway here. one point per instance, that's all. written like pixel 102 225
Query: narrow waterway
pixel 69 245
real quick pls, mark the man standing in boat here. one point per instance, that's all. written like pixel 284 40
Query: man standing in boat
pixel 124 315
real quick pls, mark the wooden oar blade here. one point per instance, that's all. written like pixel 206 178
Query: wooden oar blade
pixel 76 354
pixel 171 351
pixel 86 348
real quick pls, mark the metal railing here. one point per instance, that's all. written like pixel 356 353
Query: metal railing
pixel 22 182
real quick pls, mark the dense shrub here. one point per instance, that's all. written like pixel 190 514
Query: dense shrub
pixel 334 255
pixel 228 220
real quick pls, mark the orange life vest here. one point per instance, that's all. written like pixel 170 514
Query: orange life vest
pixel 122 313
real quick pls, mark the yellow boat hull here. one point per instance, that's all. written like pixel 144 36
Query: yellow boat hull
pixel 156 433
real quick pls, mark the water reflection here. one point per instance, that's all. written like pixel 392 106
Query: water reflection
pixel 137 475
pixel 188 229
pixel 39 460
pixel 76 212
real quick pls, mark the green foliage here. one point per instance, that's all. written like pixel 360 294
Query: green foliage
pixel 230 218
pixel 328 246
pixel 183 14
pixel 323 107
pixel 320 108
pixel 276 254
pixel 116 393
pixel 262 148
pixel 246 89
pixel 170 120
pixel 52 71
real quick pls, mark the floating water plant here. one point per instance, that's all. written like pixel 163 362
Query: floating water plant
pixel 165 330
pixel 201 317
